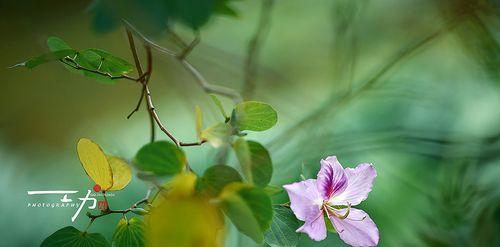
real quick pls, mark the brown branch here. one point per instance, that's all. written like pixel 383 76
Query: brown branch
pixel 147 92
pixel 144 80
pixel 254 47
pixel 146 199
pixel 136 109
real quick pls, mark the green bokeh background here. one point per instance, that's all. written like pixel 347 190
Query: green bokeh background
pixel 430 125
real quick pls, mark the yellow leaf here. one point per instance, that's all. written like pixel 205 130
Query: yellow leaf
pixel 95 163
pixel 122 174
pixel 185 222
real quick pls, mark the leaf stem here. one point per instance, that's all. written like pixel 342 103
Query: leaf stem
pixel 73 64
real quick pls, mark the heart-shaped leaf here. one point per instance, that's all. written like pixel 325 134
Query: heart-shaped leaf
pixel 161 158
pixel 129 233
pixel 72 237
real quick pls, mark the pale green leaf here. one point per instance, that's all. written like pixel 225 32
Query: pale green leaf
pixel 217 134
pixel 255 161
pixel 249 209
pixel 218 103
pixel 255 116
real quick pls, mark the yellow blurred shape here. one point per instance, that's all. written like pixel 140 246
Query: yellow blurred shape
pixel 122 174
pixel 182 185
pixel 183 220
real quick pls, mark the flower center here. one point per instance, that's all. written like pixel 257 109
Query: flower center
pixel 330 210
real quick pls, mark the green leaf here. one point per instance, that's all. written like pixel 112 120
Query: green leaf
pixel 139 211
pixel 217 134
pixel 216 178
pixel 218 103
pixel 329 225
pixel 255 161
pixel 225 9
pixel 92 59
pixel 59 49
pixel 57 44
pixel 249 208
pixel 112 64
pixel 161 158
pixel 255 116
pixel 272 190
pixel 44 58
pixel 70 236
pixel 282 231
pixel 129 233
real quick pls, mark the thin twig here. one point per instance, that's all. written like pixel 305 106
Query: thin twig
pixel 144 80
pixel 185 52
pixel 123 211
pixel 254 47
pixel 204 84
pixel 209 88
pixel 147 92
pixel 136 109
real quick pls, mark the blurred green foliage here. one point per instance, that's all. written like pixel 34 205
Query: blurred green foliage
pixel 428 121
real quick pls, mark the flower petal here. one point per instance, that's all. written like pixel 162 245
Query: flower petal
pixel 331 178
pixel 305 200
pixel 357 229
pixel 360 182
pixel 316 229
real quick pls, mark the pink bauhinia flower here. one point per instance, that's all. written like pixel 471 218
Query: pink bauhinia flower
pixel 332 194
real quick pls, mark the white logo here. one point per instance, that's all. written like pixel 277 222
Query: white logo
pixel 65 201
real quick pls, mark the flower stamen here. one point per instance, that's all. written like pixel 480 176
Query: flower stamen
pixel 342 217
